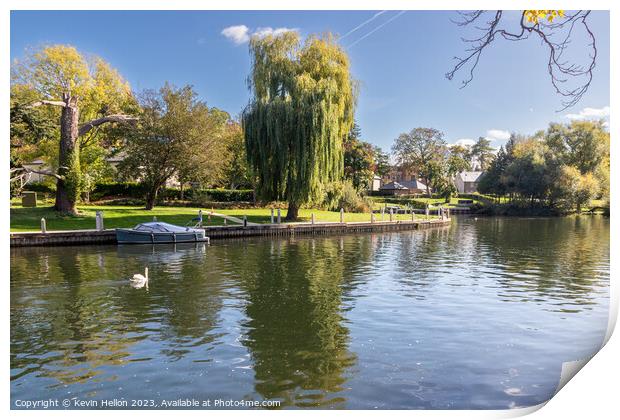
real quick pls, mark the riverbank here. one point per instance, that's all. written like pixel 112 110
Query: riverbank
pixel 108 236
pixel 25 219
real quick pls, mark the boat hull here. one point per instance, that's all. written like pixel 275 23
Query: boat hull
pixel 130 236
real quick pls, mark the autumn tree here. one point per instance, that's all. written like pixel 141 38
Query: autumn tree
pixel 482 152
pixel 301 109
pixel 419 150
pixel 381 162
pixel 358 160
pixel 85 94
pixel 237 173
pixel 176 133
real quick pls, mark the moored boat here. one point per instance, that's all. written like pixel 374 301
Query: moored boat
pixel 159 233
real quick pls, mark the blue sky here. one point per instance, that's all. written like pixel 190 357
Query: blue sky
pixel 399 59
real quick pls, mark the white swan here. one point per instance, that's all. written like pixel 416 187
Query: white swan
pixel 139 281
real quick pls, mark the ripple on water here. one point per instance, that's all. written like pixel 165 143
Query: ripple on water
pixel 479 315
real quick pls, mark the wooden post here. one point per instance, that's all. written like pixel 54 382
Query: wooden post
pixel 245 221
pixel 43 225
pixel 272 215
pixel 412 214
pixel 427 212
pixel 382 213
pixel 99 220
pixel 154 218
pixel 341 215
pixel 391 215
pixel 225 222
pixel 372 217
pixel 279 216
pixel 200 218
pixel 312 216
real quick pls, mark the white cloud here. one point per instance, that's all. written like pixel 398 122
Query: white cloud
pixel 238 34
pixel 495 134
pixel 465 142
pixel 261 32
pixel 590 114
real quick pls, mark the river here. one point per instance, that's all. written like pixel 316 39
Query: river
pixel 478 315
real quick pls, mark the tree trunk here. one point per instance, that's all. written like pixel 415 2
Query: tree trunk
pixel 428 189
pixel 65 200
pixel 293 212
pixel 151 197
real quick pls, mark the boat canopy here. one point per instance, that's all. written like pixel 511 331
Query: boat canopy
pixel 162 227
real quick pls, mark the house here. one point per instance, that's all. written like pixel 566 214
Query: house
pixel 376 183
pixel 467 181
pixel 394 188
pixel 415 186
pixel 404 188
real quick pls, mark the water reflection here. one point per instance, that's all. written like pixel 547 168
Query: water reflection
pixel 477 315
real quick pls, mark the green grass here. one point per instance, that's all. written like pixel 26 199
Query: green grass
pixel 29 219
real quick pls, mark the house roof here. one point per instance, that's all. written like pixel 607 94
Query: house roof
pixel 413 185
pixel 470 176
pixel 393 186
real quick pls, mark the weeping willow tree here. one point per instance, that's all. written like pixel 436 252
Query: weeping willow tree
pixel 301 110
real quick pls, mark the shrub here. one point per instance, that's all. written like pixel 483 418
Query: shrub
pixel 343 195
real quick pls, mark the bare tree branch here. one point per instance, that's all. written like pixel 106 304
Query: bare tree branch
pixel 17 172
pixel 561 72
pixel 45 102
pixel 85 128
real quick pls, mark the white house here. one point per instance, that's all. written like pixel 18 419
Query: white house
pixel 467 182
pixel 376 183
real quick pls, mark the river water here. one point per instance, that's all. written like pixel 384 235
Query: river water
pixel 478 315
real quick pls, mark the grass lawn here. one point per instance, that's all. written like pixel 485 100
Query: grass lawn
pixel 29 219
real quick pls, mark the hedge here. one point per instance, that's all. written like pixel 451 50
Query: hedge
pixel 135 190
pixel 39 187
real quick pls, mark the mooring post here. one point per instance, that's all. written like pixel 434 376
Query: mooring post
pixel 412 214
pixel 272 215
pixel 372 217
pixel 245 221
pixel 312 217
pixel 43 225
pixel 99 220
pixel 279 216
pixel 426 211
pixel 154 218
pixel 391 215
pixel 341 215
pixel 382 213
pixel 225 222
pixel 200 218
